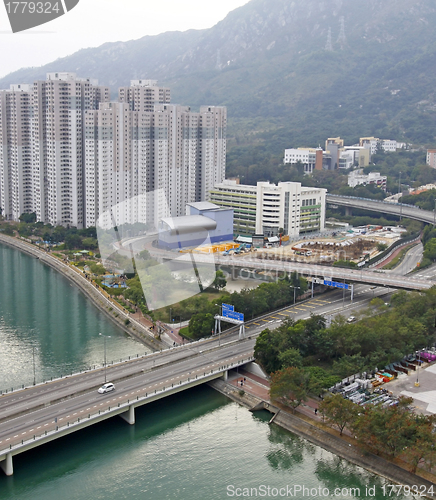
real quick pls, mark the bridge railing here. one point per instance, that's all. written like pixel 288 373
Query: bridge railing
pixel 94 417
pixel 388 203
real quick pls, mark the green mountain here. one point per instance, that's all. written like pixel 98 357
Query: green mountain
pixel 284 83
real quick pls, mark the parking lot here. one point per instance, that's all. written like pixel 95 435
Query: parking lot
pixel 424 395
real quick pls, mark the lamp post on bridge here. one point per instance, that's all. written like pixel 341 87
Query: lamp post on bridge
pixel 34 369
pixel 219 329
pixel 105 364
pixel 399 191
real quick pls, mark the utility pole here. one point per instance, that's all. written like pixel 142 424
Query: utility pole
pixel 105 364
pixel 399 191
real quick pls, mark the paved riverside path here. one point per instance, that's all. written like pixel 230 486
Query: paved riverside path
pixel 329 440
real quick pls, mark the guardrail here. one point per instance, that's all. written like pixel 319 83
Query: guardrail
pixel 94 417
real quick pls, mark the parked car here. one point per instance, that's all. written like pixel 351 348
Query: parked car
pixel 351 319
pixel 106 388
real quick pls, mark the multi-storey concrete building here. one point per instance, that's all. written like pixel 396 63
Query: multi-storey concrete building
pixel 16 151
pixel 372 143
pixel 42 157
pixel 431 158
pixel 357 178
pixel 69 155
pixel 154 164
pixel 59 103
pixel 310 158
pixel 142 95
pixel 266 208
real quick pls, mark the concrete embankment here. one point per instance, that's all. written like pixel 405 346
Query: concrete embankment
pixel 327 440
pixel 106 305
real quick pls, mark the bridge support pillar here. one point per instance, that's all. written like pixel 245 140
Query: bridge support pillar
pixel 226 375
pixel 348 211
pixel 7 465
pixel 129 415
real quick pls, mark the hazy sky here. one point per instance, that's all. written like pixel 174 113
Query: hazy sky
pixel 93 22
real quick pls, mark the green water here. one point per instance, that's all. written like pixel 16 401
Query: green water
pixel 193 446
pixel 44 318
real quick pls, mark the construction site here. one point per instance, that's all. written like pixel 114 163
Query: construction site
pixel 355 245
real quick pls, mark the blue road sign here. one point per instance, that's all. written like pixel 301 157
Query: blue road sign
pixel 336 284
pixel 233 315
pixel 228 307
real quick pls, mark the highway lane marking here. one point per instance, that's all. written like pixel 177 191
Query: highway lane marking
pixel 283 314
pixel 274 317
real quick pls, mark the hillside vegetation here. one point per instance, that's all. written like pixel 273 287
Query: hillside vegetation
pixel 267 61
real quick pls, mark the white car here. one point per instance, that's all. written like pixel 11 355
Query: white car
pixel 351 319
pixel 106 388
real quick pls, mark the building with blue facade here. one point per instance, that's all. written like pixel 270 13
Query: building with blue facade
pixel 204 224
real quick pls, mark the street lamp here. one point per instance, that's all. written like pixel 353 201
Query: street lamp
pixel 399 190
pixel 34 371
pixel 219 329
pixel 295 288
pixel 105 364
pixel 434 213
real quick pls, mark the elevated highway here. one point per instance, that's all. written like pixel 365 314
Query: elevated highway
pixel 382 207
pixel 35 416
pixel 249 264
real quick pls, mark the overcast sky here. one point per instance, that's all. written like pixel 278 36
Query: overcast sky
pixel 93 22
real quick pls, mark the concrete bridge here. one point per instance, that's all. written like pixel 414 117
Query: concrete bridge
pixel 34 416
pixel 381 207
pixel 249 264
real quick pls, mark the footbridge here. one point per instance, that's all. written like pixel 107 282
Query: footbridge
pixel 34 416
pixel 382 207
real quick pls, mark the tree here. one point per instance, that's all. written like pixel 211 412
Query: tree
pixel 201 325
pixel 290 386
pixel 73 241
pixel 422 448
pixel 430 250
pixel 28 218
pixel 291 357
pixel 8 230
pixel 338 411
pixel 220 280
pixel 90 243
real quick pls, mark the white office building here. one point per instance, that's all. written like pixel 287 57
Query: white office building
pixel 266 208
pixel 357 178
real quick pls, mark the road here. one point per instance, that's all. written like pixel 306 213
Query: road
pixel 399 209
pixel 144 380
pixel 409 261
